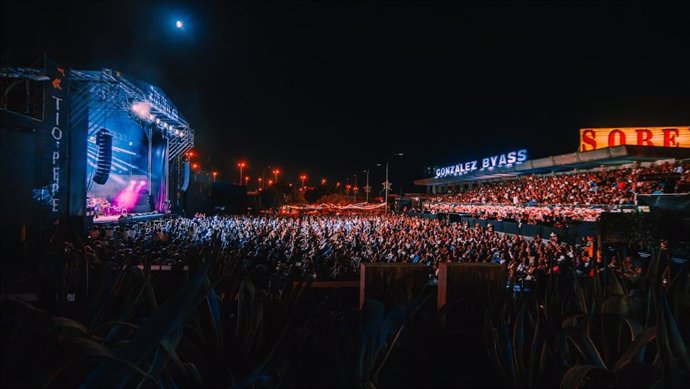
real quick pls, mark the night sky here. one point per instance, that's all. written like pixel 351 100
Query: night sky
pixel 327 89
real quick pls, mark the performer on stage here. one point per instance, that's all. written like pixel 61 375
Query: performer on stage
pixel 96 209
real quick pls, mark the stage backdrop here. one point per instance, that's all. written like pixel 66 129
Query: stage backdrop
pixel 130 158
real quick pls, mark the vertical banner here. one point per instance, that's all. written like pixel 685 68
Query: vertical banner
pixel 54 140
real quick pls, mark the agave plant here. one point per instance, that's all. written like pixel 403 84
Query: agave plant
pixel 341 346
pixel 594 332
pixel 216 330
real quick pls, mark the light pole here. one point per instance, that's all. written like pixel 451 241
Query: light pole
pixel 241 165
pixel 263 172
pixel 355 188
pixel 367 188
pixel 275 175
pixel 303 177
pixel 387 184
pixel 214 176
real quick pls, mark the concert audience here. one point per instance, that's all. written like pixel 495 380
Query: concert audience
pixel 332 248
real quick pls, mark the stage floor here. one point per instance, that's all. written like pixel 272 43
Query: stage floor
pixel 132 217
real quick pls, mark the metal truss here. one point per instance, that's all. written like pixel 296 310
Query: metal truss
pixel 100 93
pixel 30 73
pixel 110 90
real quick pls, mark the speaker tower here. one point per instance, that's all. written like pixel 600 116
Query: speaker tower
pixel 104 143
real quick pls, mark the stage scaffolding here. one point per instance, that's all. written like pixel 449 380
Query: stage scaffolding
pixel 99 93
pixel 95 95
pixel 109 90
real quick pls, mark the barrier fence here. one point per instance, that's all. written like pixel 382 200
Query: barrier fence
pixel 573 233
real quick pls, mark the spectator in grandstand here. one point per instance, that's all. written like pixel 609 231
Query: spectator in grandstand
pixel 565 197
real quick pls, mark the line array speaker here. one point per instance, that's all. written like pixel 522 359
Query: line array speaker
pixel 186 171
pixel 104 143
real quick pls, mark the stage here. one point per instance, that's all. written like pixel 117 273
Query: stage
pixel 131 217
pixel 82 143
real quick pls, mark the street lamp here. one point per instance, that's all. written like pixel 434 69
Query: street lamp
pixel 214 176
pixel 323 181
pixel 387 185
pixel 263 172
pixel 367 188
pixel 241 165
pixel 246 181
pixel 275 174
pixel 303 178
pixel 260 179
pixel 355 191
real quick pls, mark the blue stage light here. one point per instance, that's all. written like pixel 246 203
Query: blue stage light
pixel 179 24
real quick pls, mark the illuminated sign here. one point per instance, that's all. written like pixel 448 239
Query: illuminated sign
pixel 599 138
pixel 53 142
pixel 488 163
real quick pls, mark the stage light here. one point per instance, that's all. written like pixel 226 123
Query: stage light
pixel 177 132
pixel 132 182
pixel 142 182
pixel 131 143
pixel 142 109
pixel 179 24
pixel 158 121
pixel 151 117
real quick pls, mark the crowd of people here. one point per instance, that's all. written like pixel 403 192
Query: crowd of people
pixel 555 214
pixel 332 247
pixel 563 197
